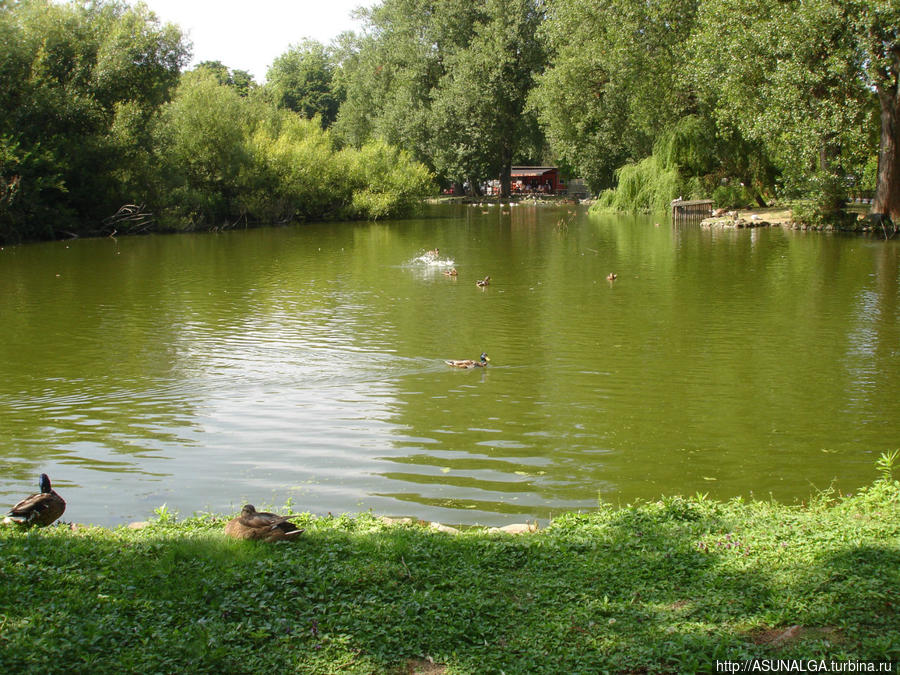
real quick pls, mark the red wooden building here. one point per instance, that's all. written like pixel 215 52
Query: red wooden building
pixel 536 179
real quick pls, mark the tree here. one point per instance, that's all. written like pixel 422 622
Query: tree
pixel 615 80
pixel 302 79
pixel 390 72
pixel 877 25
pixel 242 81
pixel 81 83
pixel 446 80
pixel 477 119
pixel 202 141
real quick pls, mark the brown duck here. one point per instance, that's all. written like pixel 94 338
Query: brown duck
pixel 40 509
pixel 261 526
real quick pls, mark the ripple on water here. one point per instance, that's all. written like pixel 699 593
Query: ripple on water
pixel 308 363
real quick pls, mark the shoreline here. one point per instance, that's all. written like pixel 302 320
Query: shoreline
pixel 783 217
pixel 673 585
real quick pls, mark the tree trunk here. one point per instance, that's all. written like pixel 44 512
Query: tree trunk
pixel 505 170
pixel 887 189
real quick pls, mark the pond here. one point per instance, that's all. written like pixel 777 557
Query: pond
pixel 305 365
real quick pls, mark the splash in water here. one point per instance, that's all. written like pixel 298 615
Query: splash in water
pixel 432 258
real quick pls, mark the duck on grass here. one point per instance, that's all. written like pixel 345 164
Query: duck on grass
pixel 667 586
pixel 39 509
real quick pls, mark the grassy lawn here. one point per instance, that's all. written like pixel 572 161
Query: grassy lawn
pixel 667 586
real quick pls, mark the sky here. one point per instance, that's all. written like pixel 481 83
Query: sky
pixel 250 35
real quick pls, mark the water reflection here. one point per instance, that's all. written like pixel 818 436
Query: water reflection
pixel 307 363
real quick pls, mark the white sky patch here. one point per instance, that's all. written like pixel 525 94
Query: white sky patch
pixel 250 35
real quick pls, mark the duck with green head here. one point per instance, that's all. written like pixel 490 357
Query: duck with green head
pixel 469 363
pixel 261 526
pixel 39 509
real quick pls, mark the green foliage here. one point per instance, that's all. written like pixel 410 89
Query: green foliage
pixel 790 77
pixel 446 81
pixel 688 145
pixel 95 114
pixel 732 196
pixel 234 159
pixel 201 143
pixel 886 463
pixel 614 82
pixel 82 83
pixel 294 173
pixel 241 80
pixel 776 92
pixel 303 80
pixel 773 95
pixel 164 516
pixel 385 181
pixel 648 185
pixel 669 585
pixel 825 195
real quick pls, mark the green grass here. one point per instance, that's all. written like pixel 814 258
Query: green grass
pixel 667 586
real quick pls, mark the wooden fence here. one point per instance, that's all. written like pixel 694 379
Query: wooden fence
pixel 692 211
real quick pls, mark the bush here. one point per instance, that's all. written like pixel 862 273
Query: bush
pixel 229 158
pixel 385 181
pixel 824 205
pixel 732 196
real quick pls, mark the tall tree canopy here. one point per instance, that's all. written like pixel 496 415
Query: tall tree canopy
pixel 791 77
pixel 241 80
pixel 303 80
pixel 800 85
pixel 447 80
pixel 478 120
pixel 616 78
pixel 82 83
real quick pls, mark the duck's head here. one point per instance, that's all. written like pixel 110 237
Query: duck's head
pixel 484 357
pixel 44 482
pixel 248 511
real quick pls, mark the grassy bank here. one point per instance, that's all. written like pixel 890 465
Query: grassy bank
pixel 667 586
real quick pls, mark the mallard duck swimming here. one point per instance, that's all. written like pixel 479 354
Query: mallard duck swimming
pixel 469 363
pixel 451 272
pixel 40 509
pixel 483 282
pixel 612 276
pixel 261 526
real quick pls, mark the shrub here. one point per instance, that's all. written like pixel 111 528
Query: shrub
pixel 732 196
pixel 385 181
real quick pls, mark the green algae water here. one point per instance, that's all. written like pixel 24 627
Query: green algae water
pixel 306 364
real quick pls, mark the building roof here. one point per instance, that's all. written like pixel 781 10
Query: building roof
pixel 530 171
